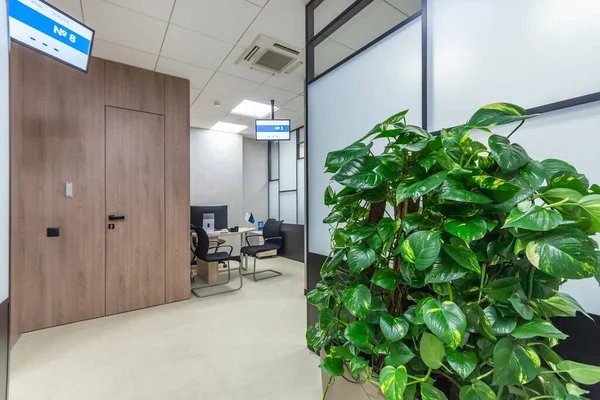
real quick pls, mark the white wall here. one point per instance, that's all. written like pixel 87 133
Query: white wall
pixel 4 155
pixel 255 179
pixel 348 102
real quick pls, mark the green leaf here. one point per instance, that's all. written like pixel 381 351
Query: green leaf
pixel 357 300
pixel 421 248
pixel 359 258
pixel 393 382
pixel 558 194
pixel 537 327
pixel 464 363
pixel 393 329
pixel 444 270
pixel 553 166
pixel 535 219
pixel 358 173
pixel 330 266
pixel 423 187
pixel 514 363
pixel 529 178
pixel 500 325
pixel 570 180
pixel 575 390
pixel 498 114
pixel 430 392
pixel 333 366
pixel 509 157
pixel 432 351
pixel 410 392
pixel 451 189
pixel 460 252
pixel 394 119
pixel 561 305
pixel 398 354
pixel 336 159
pixel 479 320
pixel 341 352
pixel 521 304
pixel 330 198
pixel 388 227
pixel 468 230
pixel 582 373
pixel 548 354
pixel 564 253
pixel 591 204
pixel 477 391
pixel 326 318
pixel 501 289
pixel 358 365
pixel 385 278
pixel 445 320
pixel 493 183
pixel 362 232
pixel 358 333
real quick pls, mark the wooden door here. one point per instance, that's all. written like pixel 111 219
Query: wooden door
pixel 135 255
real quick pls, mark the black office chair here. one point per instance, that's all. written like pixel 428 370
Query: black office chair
pixel 272 241
pixel 201 252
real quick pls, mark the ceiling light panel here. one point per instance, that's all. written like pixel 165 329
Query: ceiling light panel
pixel 228 127
pixel 252 109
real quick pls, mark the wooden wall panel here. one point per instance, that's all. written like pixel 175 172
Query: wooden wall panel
pixel 134 88
pixel 177 187
pixel 57 136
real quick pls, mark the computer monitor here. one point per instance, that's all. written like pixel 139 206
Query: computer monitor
pixel 220 212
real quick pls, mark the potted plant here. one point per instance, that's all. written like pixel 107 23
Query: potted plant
pixel 446 261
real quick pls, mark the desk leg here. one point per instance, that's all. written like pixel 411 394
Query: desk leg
pixel 243 257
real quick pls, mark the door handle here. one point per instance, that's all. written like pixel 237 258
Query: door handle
pixel 116 217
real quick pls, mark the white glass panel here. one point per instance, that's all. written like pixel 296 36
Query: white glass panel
pixel 528 53
pixel 4 154
pixel 301 150
pixel 570 135
pixel 327 11
pixel 287 163
pixel 349 101
pixel 287 213
pixel 301 133
pixel 301 192
pixel 274 160
pixel 274 200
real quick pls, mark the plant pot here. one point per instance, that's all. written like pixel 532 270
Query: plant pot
pixel 341 389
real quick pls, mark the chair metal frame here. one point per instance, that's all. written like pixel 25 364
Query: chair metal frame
pixel 254 273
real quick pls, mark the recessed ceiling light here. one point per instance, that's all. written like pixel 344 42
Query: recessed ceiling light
pixel 252 109
pixel 227 127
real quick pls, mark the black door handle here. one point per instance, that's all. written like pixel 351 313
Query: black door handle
pixel 116 217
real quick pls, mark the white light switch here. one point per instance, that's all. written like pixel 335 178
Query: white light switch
pixel 69 189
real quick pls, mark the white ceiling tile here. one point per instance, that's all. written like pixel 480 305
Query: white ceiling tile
pixel 71 7
pixel 296 104
pixel 194 48
pixel 408 7
pixel 328 53
pixel 373 21
pixel 328 10
pixel 223 19
pixel 193 94
pixel 230 85
pixel 128 28
pixel 296 118
pixel 229 67
pixel 280 19
pixel 205 109
pixel 258 2
pixel 198 76
pixel 291 83
pixel 125 55
pixel 160 9
pixel 240 120
pixel 265 94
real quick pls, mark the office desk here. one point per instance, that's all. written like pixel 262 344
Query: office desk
pixel 209 272
pixel 264 254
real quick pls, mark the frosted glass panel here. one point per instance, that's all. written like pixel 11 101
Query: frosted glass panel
pixel 570 135
pixel 529 53
pixel 274 161
pixel 346 103
pixel 287 163
pixel 288 207
pixel 274 200
pixel 327 11
pixel 301 192
pixel 4 154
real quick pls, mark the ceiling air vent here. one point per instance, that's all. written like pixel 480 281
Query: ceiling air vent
pixel 271 56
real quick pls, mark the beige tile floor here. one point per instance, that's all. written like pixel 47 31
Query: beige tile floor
pixel 243 345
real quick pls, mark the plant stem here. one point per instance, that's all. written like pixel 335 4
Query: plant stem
pixel 486 374
pixel 563 201
pixel 329 383
pixel 450 291
pixel 530 287
pixel 483 267
pixel 517 128
pixel 542 397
